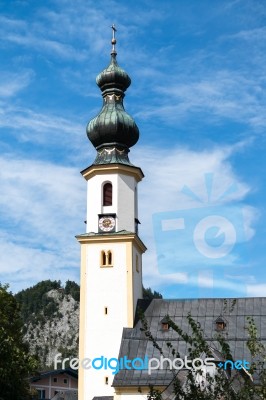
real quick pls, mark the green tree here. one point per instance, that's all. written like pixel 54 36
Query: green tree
pixel 73 289
pixel 34 299
pixel 148 294
pixel 15 362
pixel 219 385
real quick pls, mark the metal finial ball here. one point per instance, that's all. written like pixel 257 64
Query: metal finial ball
pixel 113 41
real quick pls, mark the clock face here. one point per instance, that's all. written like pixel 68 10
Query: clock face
pixel 106 224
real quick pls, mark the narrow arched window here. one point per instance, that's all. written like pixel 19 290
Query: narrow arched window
pixel 106 258
pixel 109 257
pixel 103 258
pixel 107 194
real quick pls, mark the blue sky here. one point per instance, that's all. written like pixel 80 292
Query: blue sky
pixel 198 97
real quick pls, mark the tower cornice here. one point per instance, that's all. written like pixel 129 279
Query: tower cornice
pixel 102 169
pixel 123 236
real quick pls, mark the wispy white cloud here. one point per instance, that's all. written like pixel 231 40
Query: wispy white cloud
pixel 203 283
pixel 35 36
pixel 167 172
pixel 45 129
pixel 42 209
pixel 43 206
pixel 256 290
pixel 38 122
pixel 36 183
pixel 250 35
pixel 202 83
pixel 222 95
pixel 52 46
pixel 12 23
pixel 12 83
pixel 214 83
pixel 84 35
pixel 22 265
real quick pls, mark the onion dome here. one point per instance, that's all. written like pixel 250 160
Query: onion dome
pixel 113 131
pixel 113 77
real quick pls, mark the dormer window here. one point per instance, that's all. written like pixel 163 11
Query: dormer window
pixel 220 324
pixel 165 324
pixel 107 194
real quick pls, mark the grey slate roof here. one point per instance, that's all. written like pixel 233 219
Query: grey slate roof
pixel 205 311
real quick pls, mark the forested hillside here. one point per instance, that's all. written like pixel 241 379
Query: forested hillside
pixel 50 315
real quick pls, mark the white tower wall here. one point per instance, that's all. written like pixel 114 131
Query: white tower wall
pixel 124 202
pixel 109 293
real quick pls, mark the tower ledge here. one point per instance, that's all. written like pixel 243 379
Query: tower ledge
pixel 122 236
pixel 99 169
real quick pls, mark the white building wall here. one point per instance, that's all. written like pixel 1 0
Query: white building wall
pixel 116 288
pixel 105 287
pixel 94 199
pixel 124 202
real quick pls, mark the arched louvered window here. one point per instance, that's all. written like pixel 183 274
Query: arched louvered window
pixel 106 258
pixel 107 194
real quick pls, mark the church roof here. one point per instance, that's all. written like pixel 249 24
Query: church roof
pixel 208 312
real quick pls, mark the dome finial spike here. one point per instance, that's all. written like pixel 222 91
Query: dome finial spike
pixel 113 52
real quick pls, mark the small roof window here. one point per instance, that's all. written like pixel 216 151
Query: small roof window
pixel 165 324
pixel 220 324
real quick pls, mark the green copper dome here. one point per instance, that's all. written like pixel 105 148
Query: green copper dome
pixel 113 77
pixel 113 128
pixel 113 124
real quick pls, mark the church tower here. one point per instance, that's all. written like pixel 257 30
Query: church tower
pixel 111 250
